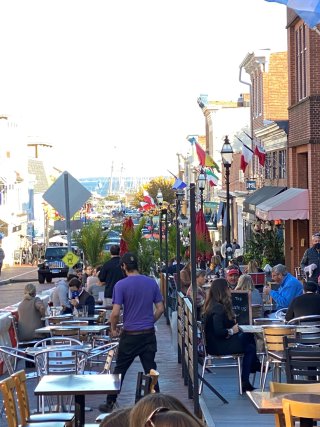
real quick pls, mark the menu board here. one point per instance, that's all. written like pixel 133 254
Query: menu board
pixel 241 303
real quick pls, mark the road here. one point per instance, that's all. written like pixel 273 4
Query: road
pixel 13 280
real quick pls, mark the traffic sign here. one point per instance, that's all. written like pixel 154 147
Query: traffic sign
pixel 70 259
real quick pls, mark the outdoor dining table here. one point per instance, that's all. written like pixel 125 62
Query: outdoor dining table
pixel 271 403
pixel 84 329
pixel 79 386
pixel 256 329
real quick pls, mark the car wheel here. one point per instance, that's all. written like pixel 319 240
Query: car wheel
pixel 41 278
pixel 49 279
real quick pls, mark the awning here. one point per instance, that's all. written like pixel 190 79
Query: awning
pixel 290 204
pixel 259 196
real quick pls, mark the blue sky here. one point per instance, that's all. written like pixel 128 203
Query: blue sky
pixel 117 81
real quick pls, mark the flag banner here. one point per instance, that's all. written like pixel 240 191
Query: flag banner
pixel 261 153
pixel 309 11
pixel 179 185
pixel 212 178
pixel 204 158
pixel 246 157
pixel 147 198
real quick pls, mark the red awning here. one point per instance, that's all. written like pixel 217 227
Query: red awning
pixel 290 204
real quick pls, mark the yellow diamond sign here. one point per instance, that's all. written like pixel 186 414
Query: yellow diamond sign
pixel 70 259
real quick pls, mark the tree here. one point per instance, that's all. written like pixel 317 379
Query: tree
pixel 266 247
pixel 152 187
pixel 91 240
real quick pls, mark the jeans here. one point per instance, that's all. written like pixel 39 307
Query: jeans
pixel 131 346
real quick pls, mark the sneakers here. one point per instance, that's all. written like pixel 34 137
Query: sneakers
pixel 106 407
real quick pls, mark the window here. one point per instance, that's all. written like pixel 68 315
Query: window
pixel 301 71
pixel 282 164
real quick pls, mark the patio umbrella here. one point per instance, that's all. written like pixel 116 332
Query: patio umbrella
pixel 126 235
pixel 308 10
pixel 204 244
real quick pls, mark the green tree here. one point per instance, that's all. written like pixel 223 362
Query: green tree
pixel 164 184
pixel 266 247
pixel 91 240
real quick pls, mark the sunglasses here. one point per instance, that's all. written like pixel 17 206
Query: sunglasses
pixel 149 422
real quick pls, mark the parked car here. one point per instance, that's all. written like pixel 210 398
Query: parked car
pixel 52 265
pixel 111 242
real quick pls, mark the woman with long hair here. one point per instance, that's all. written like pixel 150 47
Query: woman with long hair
pixel 245 283
pixel 222 331
pixel 215 266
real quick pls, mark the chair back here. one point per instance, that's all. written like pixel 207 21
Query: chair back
pixel 258 278
pixel 154 379
pixel 312 320
pixel 52 320
pixel 7 390
pixel 273 336
pixel 143 386
pixel 102 313
pixel 66 332
pixel 276 387
pixel 57 341
pixel 20 379
pixel 55 362
pixel 302 359
pixel 293 409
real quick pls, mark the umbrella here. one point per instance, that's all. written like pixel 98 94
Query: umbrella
pixel 59 240
pixel 309 11
pixel 204 244
pixel 126 235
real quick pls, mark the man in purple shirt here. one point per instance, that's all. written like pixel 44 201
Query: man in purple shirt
pixel 137 295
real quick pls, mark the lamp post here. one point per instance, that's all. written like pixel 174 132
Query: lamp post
pixel 179 199
pixel 226 154
pixel 201 185
pixel 160 201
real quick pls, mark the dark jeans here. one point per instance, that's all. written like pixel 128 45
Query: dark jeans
pixel 131 346
pixel 250 355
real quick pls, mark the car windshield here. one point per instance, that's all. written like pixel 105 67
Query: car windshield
pixel 58 252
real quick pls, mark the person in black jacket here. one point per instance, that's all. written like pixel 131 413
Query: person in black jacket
pixel 80 297
pixel 222 331
pixel 111 273
pixel 311 258
pixel 307 304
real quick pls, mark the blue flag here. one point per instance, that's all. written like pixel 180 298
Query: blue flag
pixel 179 185
pixel 309 11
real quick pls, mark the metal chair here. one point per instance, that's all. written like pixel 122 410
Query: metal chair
pixel 19 379
pixel 10 357
pixel 209 361
pixel 66 332
pixel 302 359
pixel 307 320
pixel 273 341
pixel 57 341
pixel 108 351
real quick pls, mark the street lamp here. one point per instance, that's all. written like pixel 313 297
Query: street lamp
pixel 226 154
pixel 160 202
pixel 201 186
pixel 179 199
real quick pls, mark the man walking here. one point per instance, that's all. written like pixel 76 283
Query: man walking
pixel 310 262
pixel 110 273
pixel 137 294
pixel 2 256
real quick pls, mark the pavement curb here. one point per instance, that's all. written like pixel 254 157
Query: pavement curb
pixel 8 281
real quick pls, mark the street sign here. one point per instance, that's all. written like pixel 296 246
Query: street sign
pixel 70 259
pixel 251 185
pixel 76 193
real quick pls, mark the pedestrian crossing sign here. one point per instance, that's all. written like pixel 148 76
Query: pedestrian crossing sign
pixel 70 259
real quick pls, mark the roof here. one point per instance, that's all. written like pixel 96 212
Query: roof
pixel 259 196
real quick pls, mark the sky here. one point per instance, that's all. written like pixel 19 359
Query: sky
pixel 116 82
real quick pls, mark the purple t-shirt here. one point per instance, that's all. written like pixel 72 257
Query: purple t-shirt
pixel 137 294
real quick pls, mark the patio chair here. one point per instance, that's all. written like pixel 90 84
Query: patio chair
pixel 66 332
pixel 7 387
pixel 107 351
pixel 291 388
pixel 210 360
pixel 302 359
pixel 274 347
pixel 11 356
pixel 293 409
pixel 19 379
pixel 57 341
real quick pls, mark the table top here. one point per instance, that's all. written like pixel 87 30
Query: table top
pixel 254 329
pixel 266 402
pixel 86 329
pixel 79 384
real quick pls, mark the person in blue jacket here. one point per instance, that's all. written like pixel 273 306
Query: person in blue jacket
pixel 290 287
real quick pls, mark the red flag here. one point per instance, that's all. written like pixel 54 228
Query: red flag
pixel 261 153
pixel 246 157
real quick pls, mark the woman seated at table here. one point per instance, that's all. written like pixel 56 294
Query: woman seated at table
pixel 253 267
pixel 245 283
pixel 222 332
pixel 215 268
pixel 30 310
